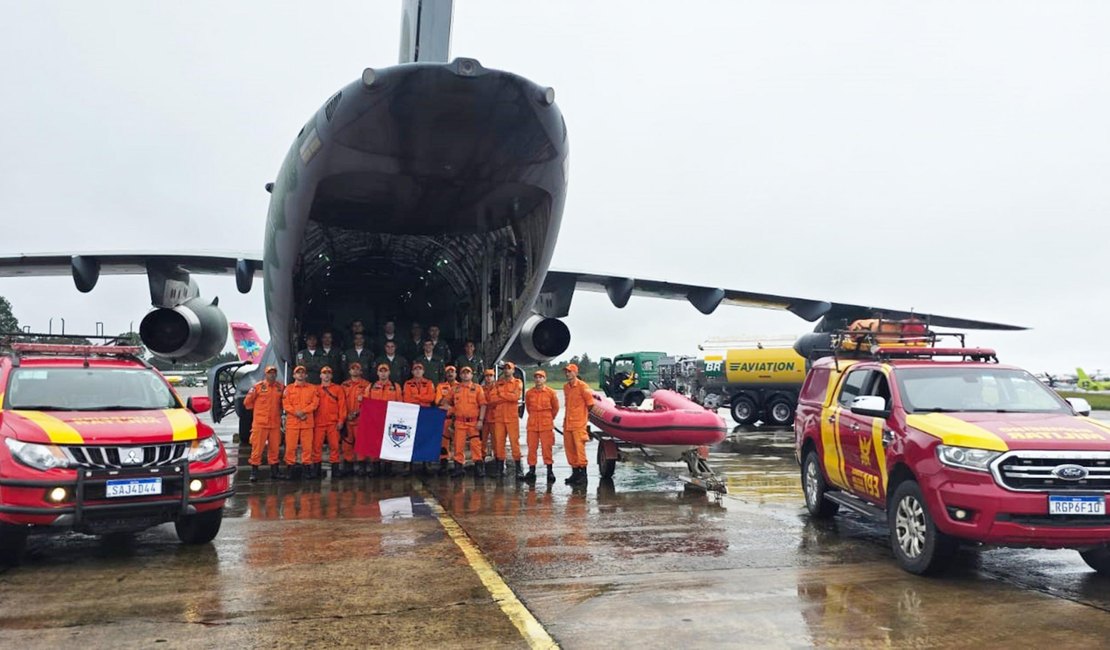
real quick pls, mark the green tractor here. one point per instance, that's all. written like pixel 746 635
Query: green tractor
pixel 630 378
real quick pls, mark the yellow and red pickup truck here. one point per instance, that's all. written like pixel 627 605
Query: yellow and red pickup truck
pixel 949 447
pixel 95 440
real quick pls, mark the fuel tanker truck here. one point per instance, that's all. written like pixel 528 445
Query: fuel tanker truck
pixel 755 384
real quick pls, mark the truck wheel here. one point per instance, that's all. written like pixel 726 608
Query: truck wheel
pixel 743 410
pixel 13 540
pixel 605 466
pixel 200 528
pixel 780 412
pixel 814 489
pixel 1097 558
pixel 917 544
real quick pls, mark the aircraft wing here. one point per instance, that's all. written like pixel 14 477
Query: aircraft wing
pixel 560 285
pixel 168 272
pixel 123 263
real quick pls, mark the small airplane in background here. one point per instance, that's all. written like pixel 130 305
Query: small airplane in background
pixel 1086 382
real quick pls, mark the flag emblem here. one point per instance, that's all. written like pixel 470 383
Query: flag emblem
pixel 399 432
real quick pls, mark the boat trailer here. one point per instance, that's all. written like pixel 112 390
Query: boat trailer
pixel 689 465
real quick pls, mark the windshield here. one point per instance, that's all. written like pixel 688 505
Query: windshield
pixel 88 389
pixel 984 389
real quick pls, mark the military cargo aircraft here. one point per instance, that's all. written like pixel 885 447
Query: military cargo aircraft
pixel 429 191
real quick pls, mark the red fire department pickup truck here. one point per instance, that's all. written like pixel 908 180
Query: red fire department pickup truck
pixel 949 446
pixel 93 439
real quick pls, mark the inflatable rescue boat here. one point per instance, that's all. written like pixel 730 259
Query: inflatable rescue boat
pixel 673 420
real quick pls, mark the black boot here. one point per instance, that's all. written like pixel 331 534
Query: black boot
pixel 319 472
pixel 254 474
pixel 360 468
pixel 296 473
pixel 443 467
pixel 278 473
pixel 573 476
pixel 550 474
pixel 459 470
pixel 520 471
pixel 530 477
pixel 499 469
pixel 479 470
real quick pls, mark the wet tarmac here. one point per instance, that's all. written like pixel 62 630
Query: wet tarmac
pixel 636 561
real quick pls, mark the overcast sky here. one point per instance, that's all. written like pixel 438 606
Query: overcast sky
pixel 952 157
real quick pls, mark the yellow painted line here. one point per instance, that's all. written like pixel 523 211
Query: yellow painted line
pixel 503 595
pixel 58 431
pixel 183 423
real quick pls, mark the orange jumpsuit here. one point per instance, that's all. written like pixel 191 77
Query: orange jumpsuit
pixel 542 405
pixel 264 399
pixel 420 391
pixel 304 398
pixel 389 391
pixel 467 401
pixel 353 388
pixel 577 399
pixel 487 427
pixel 506 422
pixel 330 415
pixel 443 393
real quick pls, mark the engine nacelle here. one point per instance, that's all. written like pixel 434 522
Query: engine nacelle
pixel 540 339
pixel 192 331
pixel 814 345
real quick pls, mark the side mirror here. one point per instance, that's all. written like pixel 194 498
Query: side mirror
pixel 199 404
pixel 1080 405
pixel 872 405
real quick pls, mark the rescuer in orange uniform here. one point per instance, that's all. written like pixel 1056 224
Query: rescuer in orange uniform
pixel 299 400
pixel 422 391
pixel 328 421
pixel 577 401
pixel 264 399
pixel 542 405
pixel 468 402
pixel 486 430
pixel 507 423
pixel 443 392
pixel 353 389
pixel 387 390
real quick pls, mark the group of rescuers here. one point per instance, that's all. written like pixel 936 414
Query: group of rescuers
pixel 321 405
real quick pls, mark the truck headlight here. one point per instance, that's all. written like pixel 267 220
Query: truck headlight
pixel 978 460
pixel 205 449
pixel 41 457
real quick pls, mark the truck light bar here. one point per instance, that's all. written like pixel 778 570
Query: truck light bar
pixel 905 351
pixel 79 350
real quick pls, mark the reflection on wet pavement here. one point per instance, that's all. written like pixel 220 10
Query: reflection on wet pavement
pixel 638 560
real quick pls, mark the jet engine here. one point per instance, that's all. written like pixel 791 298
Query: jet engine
pixel 814 345
pixel 540 339
pixel 193 331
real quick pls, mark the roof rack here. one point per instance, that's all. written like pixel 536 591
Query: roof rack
pixel 918 343
pixel 79 350
pixel 111 347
